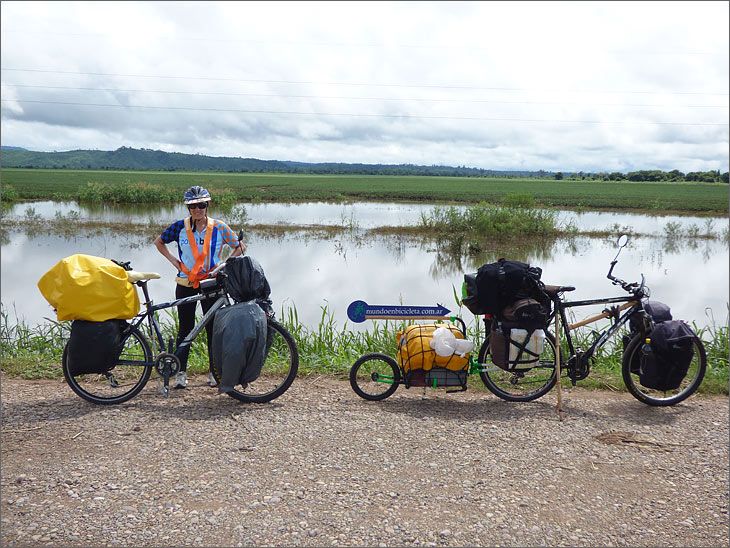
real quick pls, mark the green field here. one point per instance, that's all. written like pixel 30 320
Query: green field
pixel 29 184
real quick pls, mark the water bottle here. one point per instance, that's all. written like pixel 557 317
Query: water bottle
pixel 647 354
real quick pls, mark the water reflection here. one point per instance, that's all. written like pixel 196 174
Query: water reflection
pixel 312 269
pixel 353 215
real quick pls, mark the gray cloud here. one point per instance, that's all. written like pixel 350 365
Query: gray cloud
pixel 559 86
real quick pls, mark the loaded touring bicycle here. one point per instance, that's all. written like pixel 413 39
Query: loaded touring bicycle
pixel 663 360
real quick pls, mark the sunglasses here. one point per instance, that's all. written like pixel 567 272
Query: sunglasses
pixel 201 205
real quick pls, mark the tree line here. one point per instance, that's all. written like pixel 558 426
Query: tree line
pixel 127 158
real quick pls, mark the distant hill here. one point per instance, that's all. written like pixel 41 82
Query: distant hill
pixel 126 158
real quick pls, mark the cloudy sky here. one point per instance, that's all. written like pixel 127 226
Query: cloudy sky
pixel 568 86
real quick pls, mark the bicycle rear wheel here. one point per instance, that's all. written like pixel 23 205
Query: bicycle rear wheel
pixel 278 372
pixel 689 385
pixel 522 383
pixel 124 381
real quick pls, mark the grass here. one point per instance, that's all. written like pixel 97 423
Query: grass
pixel 327 348
pixel 162 187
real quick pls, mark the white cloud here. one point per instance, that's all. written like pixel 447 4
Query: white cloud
pixel 502 85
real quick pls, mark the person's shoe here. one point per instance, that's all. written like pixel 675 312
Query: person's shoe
pixel 211 380
pixel 181 380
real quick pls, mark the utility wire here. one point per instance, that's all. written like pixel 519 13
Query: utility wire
pixel 287 43
pixel 412 99
pixel 356 84
pixel 396 116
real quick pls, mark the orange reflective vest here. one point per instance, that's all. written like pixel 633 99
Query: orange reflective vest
pixel 198 271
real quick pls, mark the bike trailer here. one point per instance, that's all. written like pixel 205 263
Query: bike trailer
pixel 94 347
pixel 497 285
pixel 666 364
pixel 84 287
pixel 420 363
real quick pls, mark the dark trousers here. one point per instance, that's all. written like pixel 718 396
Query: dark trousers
pixel 186 316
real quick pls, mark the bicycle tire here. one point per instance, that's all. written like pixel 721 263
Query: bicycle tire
pixel 278 371
pixel 694 377
pixel 368 391
pixel 498 380
pixel 136 349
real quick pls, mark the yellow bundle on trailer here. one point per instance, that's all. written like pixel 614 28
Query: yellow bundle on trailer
pixel 415 352
pixel 84 287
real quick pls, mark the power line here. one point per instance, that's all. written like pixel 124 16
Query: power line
pixel 354 84
pixel 414 99
pixel 395 116
pixel 356 44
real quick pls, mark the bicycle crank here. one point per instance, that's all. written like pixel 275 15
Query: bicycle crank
pixel 167 365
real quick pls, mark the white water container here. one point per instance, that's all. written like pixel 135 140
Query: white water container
pixel 536 344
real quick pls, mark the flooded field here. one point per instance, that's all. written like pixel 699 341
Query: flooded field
pixel 315 269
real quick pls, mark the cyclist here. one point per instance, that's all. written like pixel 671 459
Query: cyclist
pixel 199 240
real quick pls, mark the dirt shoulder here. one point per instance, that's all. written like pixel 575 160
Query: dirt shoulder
pixel 321 467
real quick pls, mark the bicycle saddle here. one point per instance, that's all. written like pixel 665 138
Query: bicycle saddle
pixel 134 276
pixel 553 290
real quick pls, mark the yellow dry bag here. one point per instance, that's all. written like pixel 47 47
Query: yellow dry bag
pixel 84 287
pixel 415 352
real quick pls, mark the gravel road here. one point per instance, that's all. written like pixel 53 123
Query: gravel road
pixel 321 467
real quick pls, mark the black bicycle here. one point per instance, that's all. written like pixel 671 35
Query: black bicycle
pixel 136 362
pixel 526 383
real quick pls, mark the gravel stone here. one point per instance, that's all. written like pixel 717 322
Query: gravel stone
pixel 320 466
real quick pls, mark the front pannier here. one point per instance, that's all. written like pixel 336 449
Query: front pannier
pixel 239 344
pixel 94 347
pixel 672 345
pixel 245 279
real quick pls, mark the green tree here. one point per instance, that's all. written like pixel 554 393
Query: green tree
pixel 559 176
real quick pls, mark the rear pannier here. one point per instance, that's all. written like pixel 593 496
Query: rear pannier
pixel 513 347
pixel 94 347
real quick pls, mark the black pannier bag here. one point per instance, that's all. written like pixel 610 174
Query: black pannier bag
pixel 497 285
pixel 240 342
pixel 499 347
pixel 672 345
pixel 659 312
pixel 245 280
pixel 94 347
pixel 527 314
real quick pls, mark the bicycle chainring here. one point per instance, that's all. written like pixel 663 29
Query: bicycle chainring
pixel 167 364
pixel 579 366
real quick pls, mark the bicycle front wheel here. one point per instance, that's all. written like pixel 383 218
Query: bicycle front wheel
pixel 124 381
pixel 278 371
pixel 521 383
pixel 689 385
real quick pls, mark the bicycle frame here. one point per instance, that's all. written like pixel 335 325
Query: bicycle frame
pixel 631 306
pixel 154 326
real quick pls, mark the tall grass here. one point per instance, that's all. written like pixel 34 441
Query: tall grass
pixel 328 348
pixel 142 193
pixel 488 220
